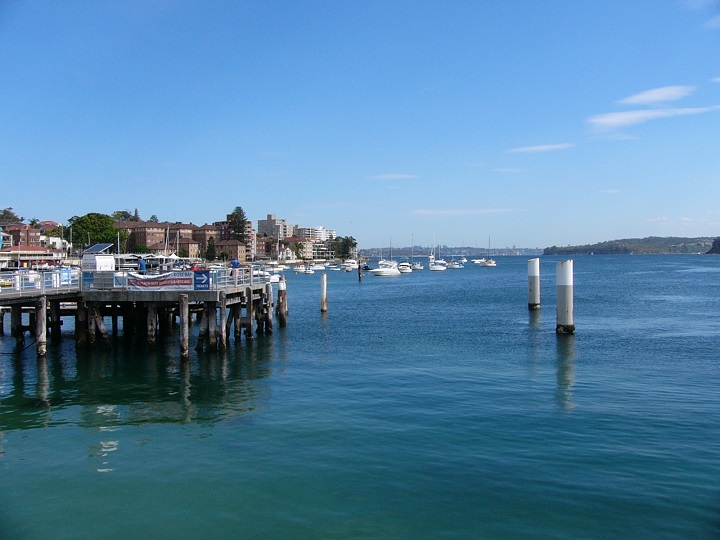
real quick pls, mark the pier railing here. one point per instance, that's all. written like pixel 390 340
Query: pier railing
pixel 31 283
pixel 21 283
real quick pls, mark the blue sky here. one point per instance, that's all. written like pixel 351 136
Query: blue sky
pixel 533 123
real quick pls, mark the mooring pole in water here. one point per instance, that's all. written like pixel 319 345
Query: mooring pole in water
pixel 359 271
pixel 323 293
pixel 533 284
pixel 565 309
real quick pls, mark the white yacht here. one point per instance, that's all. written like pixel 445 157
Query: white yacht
pixel 405 267
pixel 385 269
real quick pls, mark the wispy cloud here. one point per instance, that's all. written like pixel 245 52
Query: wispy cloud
pixel 659 95
pixel 540 148
pixel 715 79
pixel 713 23
pixel 463 212
pixel 699 5
pixel 630 118
pixel 508 170
pixel 611 191
pixel 393 176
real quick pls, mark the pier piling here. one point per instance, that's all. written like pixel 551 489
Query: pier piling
pixel 222 326
pixel 565 308
pixel 16 329
pixel 533 284
pixel 184 326
pixel 281 308
pixel 40 326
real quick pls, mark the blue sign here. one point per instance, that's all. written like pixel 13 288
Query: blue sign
pixel 202 280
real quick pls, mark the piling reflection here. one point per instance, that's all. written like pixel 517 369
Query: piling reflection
pixel 138 385
pixel 565 370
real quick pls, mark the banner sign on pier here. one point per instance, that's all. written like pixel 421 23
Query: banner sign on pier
pixel 174 281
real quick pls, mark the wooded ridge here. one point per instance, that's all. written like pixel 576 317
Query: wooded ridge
pixel 639 246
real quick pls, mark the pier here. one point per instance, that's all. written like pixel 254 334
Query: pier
pixel 225 302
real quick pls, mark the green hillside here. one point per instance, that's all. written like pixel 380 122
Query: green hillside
pixel 639 246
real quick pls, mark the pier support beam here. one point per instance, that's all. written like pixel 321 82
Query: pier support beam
pixel 565 308
pixel 533 284
pixel 269 301
pixel 55 321
pixel 16 329
pixel 281 309
pixel 184 326
pixel 249 314
pixel 151 321
pixel 41 326
pixel 202 334
pixel 211 314
pixel 222 327
pixel 81 326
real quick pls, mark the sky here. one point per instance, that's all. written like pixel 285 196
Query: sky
pixel 520 123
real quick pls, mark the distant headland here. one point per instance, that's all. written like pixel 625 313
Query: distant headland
pixel 652 245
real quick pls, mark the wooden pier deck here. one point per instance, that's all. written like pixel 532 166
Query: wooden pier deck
pixel 221 298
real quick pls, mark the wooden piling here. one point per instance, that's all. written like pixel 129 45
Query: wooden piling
pixel 114 315
pixel 211 314
pixel 533 284
pixel 222 327
pixel 281 309
pixel 565 308
pixel 40 326
pixel 16 329
pixel 249 314
pixel 268 309
pixel 323 293
pixel 99 324
pixel 184 326
pixel 151 323
pixel 81 326
pixel 90 325
pixel 202 334
pixel 55 321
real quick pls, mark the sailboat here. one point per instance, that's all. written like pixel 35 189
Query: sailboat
pixel 414 265
pixel 436 265
pixel 489 261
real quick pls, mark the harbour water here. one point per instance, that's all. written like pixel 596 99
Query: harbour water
pixel 431 405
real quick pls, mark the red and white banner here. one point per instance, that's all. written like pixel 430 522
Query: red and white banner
pixel 174 281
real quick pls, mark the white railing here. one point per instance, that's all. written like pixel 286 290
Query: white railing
pixel 37 283
pixel 213 279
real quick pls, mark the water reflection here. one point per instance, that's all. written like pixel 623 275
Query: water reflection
pixel 565 370
pixel 133 386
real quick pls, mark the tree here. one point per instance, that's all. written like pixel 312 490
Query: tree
pixel 154 219
pixel 33 222
pixel 238 220
pixel 136 216
pixel 344 247
pixel 715 249
pixel 122 215
pixel 8 216
pixel 94 228
pixel 210 254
